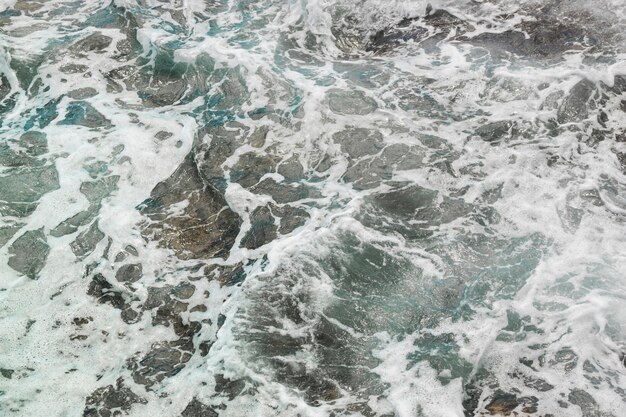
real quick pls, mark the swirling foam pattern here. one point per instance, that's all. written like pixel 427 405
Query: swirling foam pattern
pixel 312 208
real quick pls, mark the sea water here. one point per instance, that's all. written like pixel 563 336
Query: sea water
pixel 313 208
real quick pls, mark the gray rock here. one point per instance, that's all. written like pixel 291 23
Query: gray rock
pixel 494 131
pixel 167 93
pixel 358 142
pixel 8 231
pixel 250 167
pixel 34 143
pixel 548 39
pixel 95 191
pixel 262 230
pixel 111 401
pixel 587 404
pixel 291 169
pixel 163 361
pixel 129 273
pixel 83 114
pixel 28 253
pixel 575 106
pixel 94 42
pixel 85 243
pixel 428 30
pixel 285 193
pixel 74 69
pixel 350 102
pixel 21 186
pixel 290 217
pixel 72 224
pixel 104 292
pixel 223 144
pixel 207 227
pixel 257 138
pixel 197 409
pixel 368 174
pixel 82 93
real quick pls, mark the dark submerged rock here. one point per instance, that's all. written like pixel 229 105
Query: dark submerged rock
pixel 28 253
pixel 547 39
pixel 95 42
pixel 197 409
pixel 163 361
pixel 111 401
pixel 263 228
pixel 129 273
pixel 84 114
pixel 575 106
pixel 206 227
pixel 85 243
pixel 494 131
pixel 20 188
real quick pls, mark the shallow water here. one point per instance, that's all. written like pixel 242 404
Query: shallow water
pixel 313 208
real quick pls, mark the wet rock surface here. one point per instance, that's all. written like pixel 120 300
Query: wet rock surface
pixel 352 102
pixel 263 228
pixel 112 400
pixel 21 188
pixel 28 253
pixel 205 227
pixel 197 409
pixel 546 40
pixel 95 42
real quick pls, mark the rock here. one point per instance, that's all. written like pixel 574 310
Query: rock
pixel 34 143
pixel 72 224
pixel 359 142
pixel 502 404
pixel 204 228
pixel 263 228
pixel 111 401
pixel 163 135
pixel 226 274
pixel 494 131
pixel 86 242
pixel 129 273
pixel 20 188
pixel 229 387
pixel 575 106
pixel 350 102
pixel 548 39
pixel 587 404
pixel 105 293
pixel 95 42
pixel 291 169
pixel 163 361
pixel 95 191
pixel 257 138
pixel 82 113
pixel 8 231
pixel 285 193
pixel 74 69
pixel 225 140
pixel 196 409
pixel 82 93
pixel 28 253
pixel 427 30
pixel 290 217
pixel 165 94
pixel 5 87
pixel 250 167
